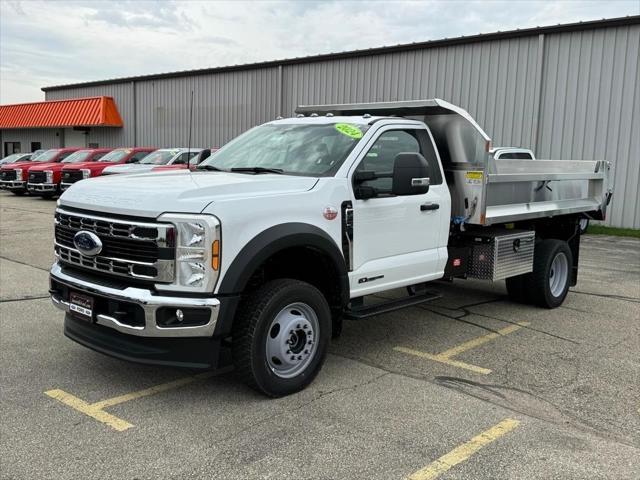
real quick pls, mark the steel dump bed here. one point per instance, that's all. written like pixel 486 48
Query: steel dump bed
pixel 485 191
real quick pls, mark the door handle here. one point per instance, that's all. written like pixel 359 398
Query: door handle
pixel 429 206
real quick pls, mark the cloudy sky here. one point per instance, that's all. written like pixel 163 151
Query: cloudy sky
pixel 55 42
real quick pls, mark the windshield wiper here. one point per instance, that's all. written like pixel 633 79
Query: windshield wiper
pixel 257 170
pixel 209 168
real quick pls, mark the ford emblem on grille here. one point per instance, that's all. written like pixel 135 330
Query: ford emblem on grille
pixel 87 243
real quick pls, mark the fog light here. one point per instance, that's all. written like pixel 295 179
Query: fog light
pixel 168 317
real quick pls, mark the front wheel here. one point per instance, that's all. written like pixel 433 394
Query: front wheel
pixel 281 336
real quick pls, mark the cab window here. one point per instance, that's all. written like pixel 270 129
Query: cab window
pixel 381 156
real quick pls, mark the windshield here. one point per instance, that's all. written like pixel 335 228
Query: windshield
pixel 79 156
pixel 12 158
pixel 46 156
pixel 159 157
pixel 314 150
pixel 115 155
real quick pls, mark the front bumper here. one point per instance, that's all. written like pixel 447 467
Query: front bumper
pixel 13 185
pixel 65 185
pixel 42 187
pixel 113 306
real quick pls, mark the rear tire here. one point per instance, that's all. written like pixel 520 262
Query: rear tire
pixel 548 284
pixel 280 336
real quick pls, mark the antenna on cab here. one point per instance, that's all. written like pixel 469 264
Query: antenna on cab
pixel 189 141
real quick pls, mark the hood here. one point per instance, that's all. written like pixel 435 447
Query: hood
pixel 130 168
pixel 43 166
pixel 149 195
pixel 38 167
pixel 89 165
pixel 11 166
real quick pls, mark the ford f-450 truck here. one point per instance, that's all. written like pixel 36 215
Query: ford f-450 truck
pixel 255 259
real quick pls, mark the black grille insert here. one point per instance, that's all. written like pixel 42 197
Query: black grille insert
pixel 71 176
pixel 8 175
pixel 37 177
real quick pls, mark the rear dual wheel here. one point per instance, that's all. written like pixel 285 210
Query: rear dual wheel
pixel 281 336
pixel 548 284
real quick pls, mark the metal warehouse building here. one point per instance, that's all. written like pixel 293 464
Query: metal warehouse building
pixel 568 91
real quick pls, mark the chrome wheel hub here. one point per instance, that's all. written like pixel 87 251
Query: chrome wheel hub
pixel 558 274
pixel 291 340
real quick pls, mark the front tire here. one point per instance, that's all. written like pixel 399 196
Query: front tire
pixel 281 336
pixel 548 284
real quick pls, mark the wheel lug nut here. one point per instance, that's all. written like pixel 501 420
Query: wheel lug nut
pixel 299 357
pixel 306 351
pixel 288 351
pixel 292 357
pixel 309 343
pixel 298 326
pixel 305 327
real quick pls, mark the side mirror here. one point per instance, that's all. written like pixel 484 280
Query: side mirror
pixel 410 174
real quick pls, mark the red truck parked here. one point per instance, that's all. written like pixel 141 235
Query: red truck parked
pixel 45 179
pixel 80 171
pixel 13 176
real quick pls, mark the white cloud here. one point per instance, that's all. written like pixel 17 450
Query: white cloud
pixel 50 43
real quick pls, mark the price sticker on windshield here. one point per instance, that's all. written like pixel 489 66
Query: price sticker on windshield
pixel 349 130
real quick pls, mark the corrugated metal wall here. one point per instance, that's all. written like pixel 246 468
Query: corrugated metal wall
pixel 565 95
pixel 48 138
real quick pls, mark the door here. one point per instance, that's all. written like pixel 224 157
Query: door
pixel 74 138
pixel 10 148
pixel 399 240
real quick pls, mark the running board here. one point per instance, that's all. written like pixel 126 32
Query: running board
pixel 361 313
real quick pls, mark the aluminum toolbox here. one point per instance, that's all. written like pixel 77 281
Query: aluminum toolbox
pixel 499 254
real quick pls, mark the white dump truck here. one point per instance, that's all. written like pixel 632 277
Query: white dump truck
pixel 255 259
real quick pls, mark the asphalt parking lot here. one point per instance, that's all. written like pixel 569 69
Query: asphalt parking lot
pixel 471 386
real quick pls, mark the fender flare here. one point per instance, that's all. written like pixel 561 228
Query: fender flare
pixel 265 245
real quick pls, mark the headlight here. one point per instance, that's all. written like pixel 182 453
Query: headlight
pixel 18 173
pixel 49 176
pixel 197 244
pixel 86 173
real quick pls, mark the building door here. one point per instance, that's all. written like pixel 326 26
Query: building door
pixel 74 138
pixel 11 148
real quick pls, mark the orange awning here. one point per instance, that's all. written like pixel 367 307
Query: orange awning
pixel 77 112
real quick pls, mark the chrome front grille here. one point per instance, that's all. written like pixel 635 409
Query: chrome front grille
pixel 134 249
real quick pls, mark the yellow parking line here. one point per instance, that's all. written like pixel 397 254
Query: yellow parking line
pixel 96 410
pixel 445 357
pixel 464 451
pixel 442 359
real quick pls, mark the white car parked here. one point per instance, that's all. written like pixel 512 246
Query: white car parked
pixel 164 156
